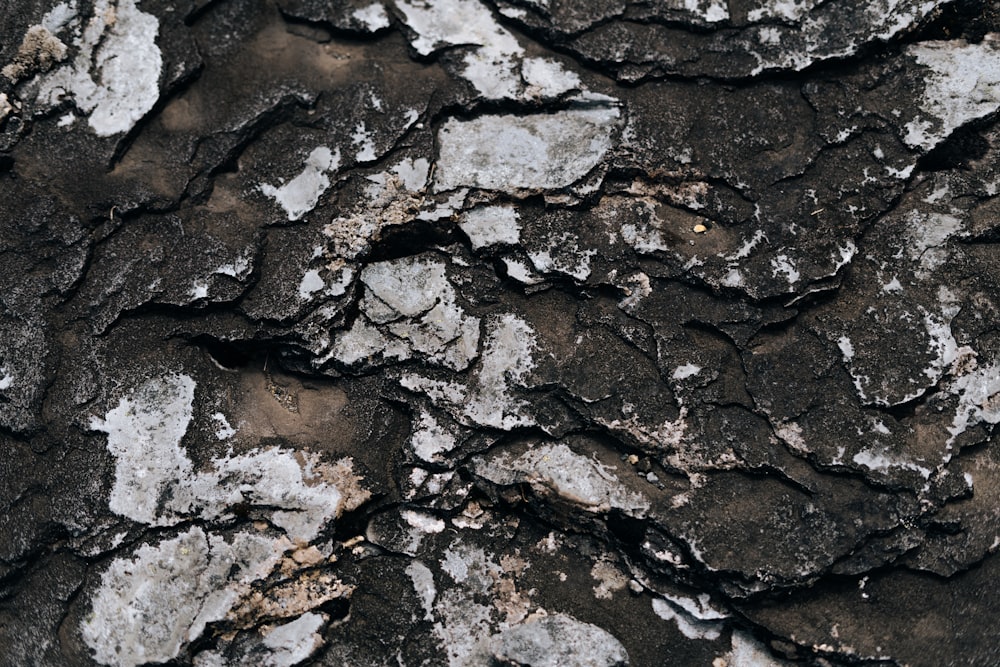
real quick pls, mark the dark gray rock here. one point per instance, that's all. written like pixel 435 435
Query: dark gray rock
pixel 513 333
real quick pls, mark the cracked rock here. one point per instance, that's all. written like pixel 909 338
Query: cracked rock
pixel 499 332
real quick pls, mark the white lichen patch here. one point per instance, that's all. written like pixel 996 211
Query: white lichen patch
pixel 439 391
pixel 496 66
pixel 423 583
pixel 293 642
pixel 301 194
pixel 420 481
pixel 60 16
pixel 547 78
pixel 239 268
pixel 412 174
pixel 423 522
pixel 928 236
pixel 788 10
pixel 6 379
pixel 223 431
pixel 429 440
pixel 407 287
pixel 782 265
pixel 645 236
pixel 893 286
pixel 521 272
pixel 480 616
pixel 885 462
pixel 843 257
pixel 579 479
pixel 667 435
pixel 471 566
pixel 156 483
pixel 978 392
pixel 711 11
pixel 749 245
pixel 540 151
pixel 609 577
pixel 311 283
pixel 962 83
pixel 943 346
pixel 491 225
pixel 492 67
pixel 198 291
pixel 699 608
pixel 363 342
pixel 879 384
pixel 299 489
pixel 748 652
pixel 506 360
pixel 685 371
pixel 463 623
pixel 558 640
pixel 116 73
pixel 689 625
pixel 364 141
pixel 150 605
pixel 486 399
pixel 373 17
pixel 733 278
pixel 144 434
pixel 644 239
pixel 818 31
pixel 562 254
pixel 414 309
pixel 455 22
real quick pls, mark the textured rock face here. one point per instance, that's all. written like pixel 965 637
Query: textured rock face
pixel 499 333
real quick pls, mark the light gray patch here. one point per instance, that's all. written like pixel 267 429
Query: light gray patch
pixel 541 151
pixel 558 641
pixel 962 84
pixel 147 607
pixel 115 75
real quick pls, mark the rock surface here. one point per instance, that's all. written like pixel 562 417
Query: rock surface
pixel 513 332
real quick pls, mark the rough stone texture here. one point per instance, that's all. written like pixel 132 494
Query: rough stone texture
pixel 514 332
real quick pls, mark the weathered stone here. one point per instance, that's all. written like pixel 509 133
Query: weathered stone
pixel 499 333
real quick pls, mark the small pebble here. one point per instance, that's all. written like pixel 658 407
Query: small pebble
pixel 700 229
pixel 652 478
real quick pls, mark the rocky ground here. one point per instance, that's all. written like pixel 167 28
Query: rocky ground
pixel 500 332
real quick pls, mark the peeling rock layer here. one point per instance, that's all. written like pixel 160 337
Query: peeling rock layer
pixel 523 332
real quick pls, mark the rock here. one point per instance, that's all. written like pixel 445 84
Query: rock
pixel 499 333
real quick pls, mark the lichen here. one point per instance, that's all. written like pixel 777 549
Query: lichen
pixel 115 75
pixel 540 151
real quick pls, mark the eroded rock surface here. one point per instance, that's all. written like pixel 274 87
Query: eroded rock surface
pixel 524 332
